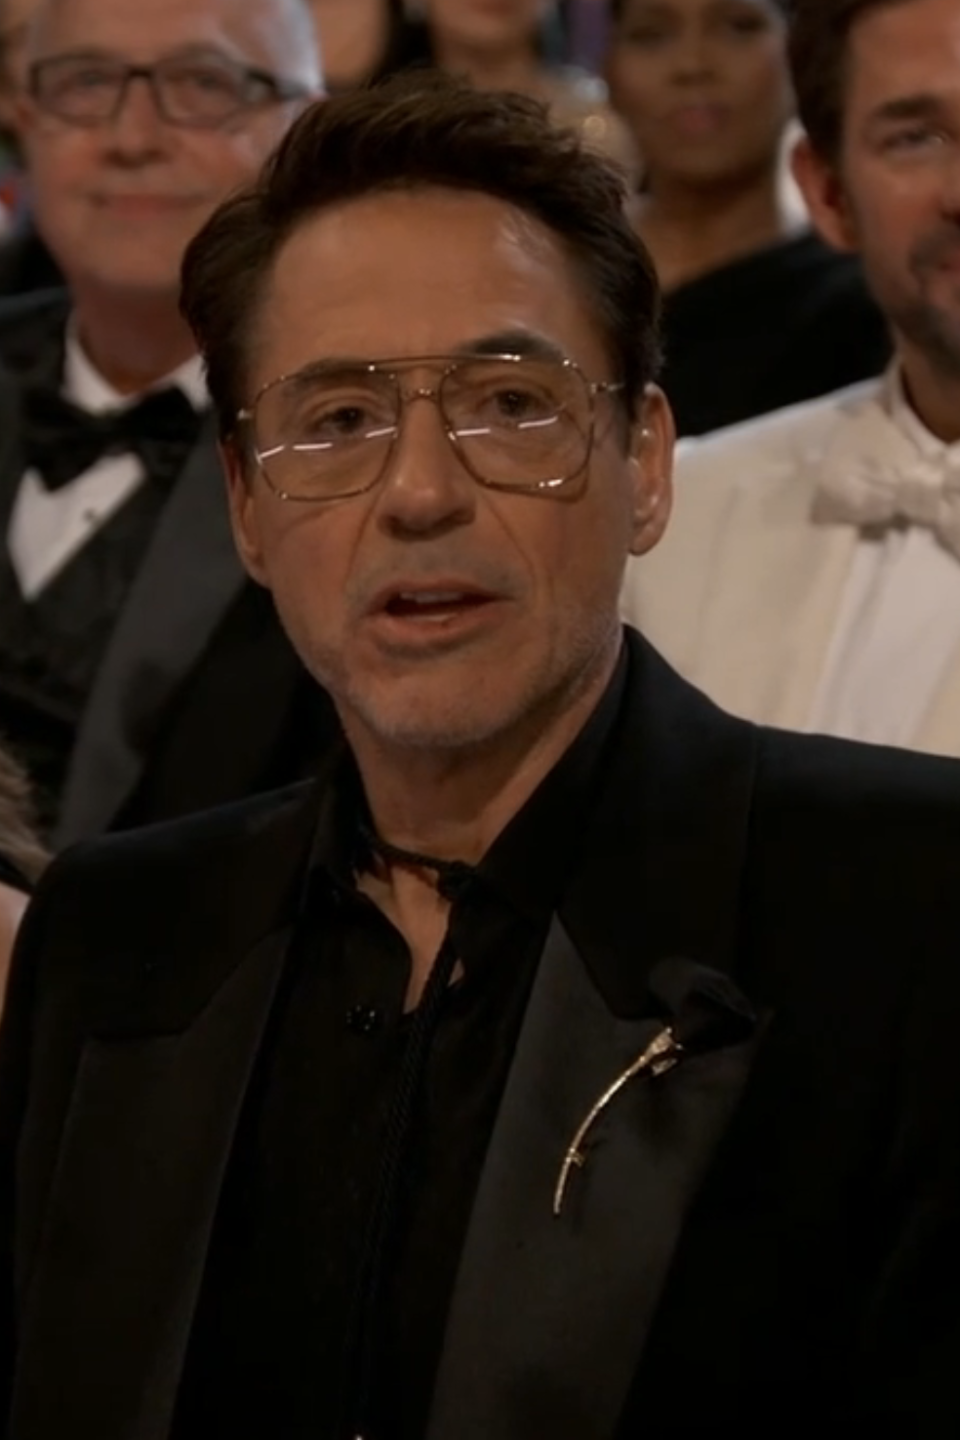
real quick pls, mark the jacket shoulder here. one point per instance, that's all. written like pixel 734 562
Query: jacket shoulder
pixel 875 826
pixel 28 323
pixel 219 880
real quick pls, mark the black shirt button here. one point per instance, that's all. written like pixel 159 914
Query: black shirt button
pixel 364 1019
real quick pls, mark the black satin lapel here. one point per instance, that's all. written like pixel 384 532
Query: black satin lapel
pixel 189 578
pixel 125 1237
pixel 550 1314
pixel 11 452
pixel 32 329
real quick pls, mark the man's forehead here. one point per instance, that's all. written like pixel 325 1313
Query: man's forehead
pixel 143 29
pixel 905 50
pixel 465 270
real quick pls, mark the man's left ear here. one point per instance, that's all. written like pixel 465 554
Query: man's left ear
pixel 652 439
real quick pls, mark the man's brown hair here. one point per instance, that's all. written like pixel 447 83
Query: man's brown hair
pixel 819 51
pixel 418 131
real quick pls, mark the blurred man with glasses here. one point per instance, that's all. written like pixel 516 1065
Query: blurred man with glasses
pixel 569 1060
pixel 128 626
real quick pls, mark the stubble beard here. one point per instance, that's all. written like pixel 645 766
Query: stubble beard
pixel 931 326
pixel 934 332
pixel 467 721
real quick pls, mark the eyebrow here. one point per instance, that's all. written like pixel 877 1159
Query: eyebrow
pixel 524 343
pixel 513 342
pixel 906 107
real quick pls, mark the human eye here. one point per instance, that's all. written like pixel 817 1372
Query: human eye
pixel 646 37
pixel 647 33
pixel 92 76
pixel 205 84
pixel 81 77
pixel 517 399
pixel 648 27
pixel 518 406
pixel 340 414
pixel 745 25
pixel 744 20
pixel 913 139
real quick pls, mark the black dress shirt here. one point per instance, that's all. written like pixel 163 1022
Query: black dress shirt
pixel 271 1351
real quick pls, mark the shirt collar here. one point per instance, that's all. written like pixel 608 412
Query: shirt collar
pixel 528 862
pixel 86 388
pixel 902 413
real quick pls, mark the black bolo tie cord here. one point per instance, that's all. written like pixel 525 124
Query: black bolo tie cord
pixel 363 1346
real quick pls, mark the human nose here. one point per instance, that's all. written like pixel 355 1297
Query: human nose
pixel 137 124
pixel 426 488
pixel 693 55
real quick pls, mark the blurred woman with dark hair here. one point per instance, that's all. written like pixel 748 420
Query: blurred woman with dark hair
pixel 515 45
pixel 759 312
pixel 21 857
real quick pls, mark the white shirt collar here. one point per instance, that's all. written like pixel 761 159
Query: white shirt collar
pixel 904 416
pixel 86 388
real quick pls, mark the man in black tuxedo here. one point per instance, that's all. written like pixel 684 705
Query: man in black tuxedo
pixel 141 674
pixel 570 1059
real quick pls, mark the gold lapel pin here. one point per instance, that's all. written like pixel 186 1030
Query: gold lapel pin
pixel 661 1055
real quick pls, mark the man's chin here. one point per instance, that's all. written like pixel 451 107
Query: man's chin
pixel 419 718
pixel 934 329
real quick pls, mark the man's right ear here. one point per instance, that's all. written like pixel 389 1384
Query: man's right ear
pixel 243 511
pixel 824 195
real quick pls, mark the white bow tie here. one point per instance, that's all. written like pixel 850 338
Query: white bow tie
pixel 873 474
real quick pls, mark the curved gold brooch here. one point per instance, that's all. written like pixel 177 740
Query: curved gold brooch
pixel 661 1055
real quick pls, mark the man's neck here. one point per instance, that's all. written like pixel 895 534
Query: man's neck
pixel 132 342
pixel 693 231
pixel 452 805
pixel 933 392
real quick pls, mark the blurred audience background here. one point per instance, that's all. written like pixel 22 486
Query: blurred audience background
pixel 142 674
pixel 358 39
pixel 517 45
pixel 759 312
pixel 692 100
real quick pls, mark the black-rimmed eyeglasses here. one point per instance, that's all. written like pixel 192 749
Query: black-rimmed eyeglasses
pixel 203 91
pixel 516 422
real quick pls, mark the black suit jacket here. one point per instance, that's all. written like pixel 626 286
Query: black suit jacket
pixel 199 699
pixel 26 263
pixel 763 1241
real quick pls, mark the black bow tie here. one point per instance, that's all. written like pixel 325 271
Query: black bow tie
pixel 62 441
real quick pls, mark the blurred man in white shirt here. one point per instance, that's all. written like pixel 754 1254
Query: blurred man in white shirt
pixel 811 573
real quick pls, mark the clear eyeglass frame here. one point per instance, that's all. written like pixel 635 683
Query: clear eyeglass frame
pixel 590 391
pixel 89 89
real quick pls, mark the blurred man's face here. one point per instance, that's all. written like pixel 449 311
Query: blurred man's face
pixel 894 194
pixel 439 612
pixel 118 200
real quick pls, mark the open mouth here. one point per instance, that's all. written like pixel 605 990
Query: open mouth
pixel 433 604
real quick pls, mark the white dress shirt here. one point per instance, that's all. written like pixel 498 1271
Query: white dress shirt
pixel 898 626
pixel 48 527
